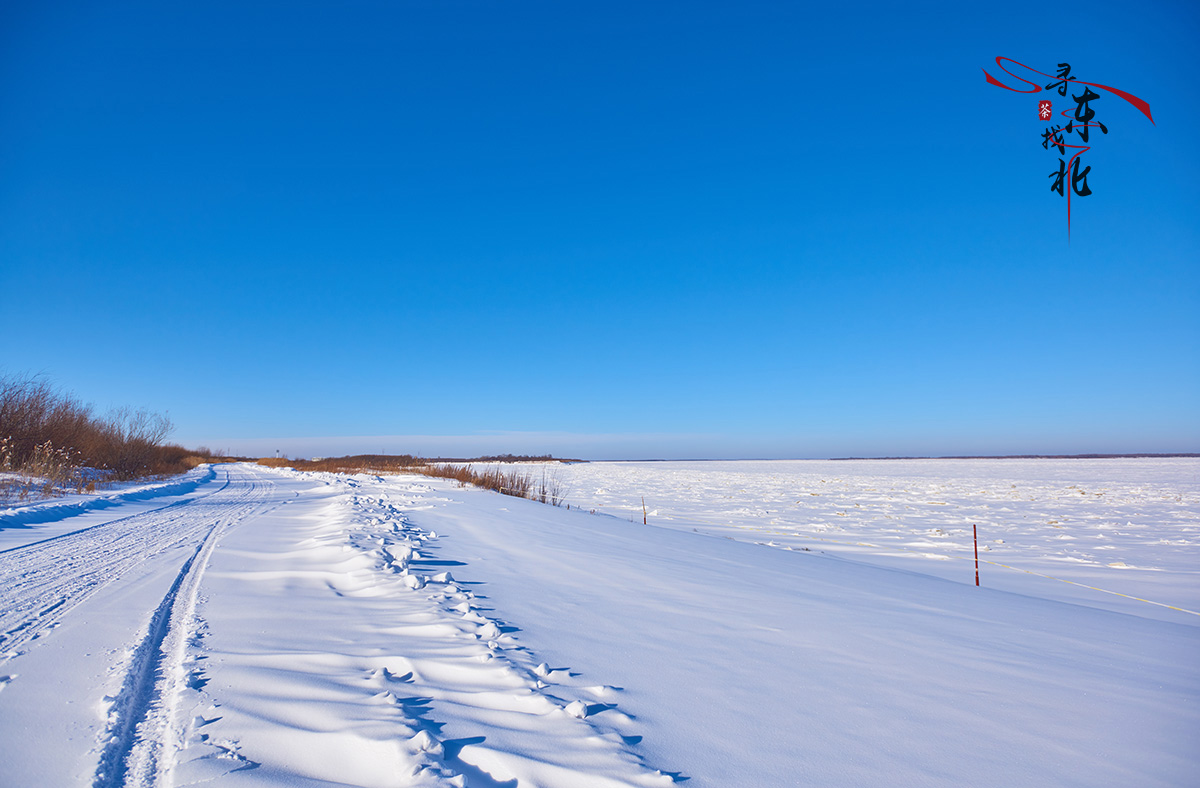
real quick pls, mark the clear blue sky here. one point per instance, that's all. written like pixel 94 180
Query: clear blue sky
pixel 602 229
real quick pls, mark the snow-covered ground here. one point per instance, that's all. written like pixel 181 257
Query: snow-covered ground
pixel 24 522
pixel 277 628
pixel 1127 526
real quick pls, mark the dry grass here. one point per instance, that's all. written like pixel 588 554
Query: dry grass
pixel 517 482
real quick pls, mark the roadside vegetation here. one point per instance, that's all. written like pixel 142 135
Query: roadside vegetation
pixel 517 481
pixel 52 443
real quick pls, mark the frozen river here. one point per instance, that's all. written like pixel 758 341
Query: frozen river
pixel 1121 526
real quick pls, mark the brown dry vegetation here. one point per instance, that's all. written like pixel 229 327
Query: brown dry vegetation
pixel 359 463
pixel 516 482
pixel 53 437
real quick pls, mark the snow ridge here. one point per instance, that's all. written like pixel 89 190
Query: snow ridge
pixel 50 511
pixel 481 672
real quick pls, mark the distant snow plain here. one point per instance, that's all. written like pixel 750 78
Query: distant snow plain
pixel 773 624
pixel 1130 526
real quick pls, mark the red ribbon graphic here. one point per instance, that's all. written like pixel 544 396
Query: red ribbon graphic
pixel 1142 106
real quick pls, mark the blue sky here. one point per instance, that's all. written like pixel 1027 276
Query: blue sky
pixel 602 229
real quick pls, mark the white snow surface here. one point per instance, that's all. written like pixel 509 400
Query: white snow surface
pixel 1080 530
pixel 56 516
pixel 270 627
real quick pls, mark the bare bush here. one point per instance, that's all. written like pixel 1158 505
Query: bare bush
pixel 134 439
pixel 551 489
pixel 52 436
pixel 32 413
pixel 517 483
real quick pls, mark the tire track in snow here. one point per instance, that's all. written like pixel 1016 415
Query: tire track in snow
pixel 40 583
pixel 131 708
pixel 49 511
pixel 143 731
pixel 111 523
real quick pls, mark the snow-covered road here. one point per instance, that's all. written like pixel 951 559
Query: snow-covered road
pixel 282 629
pixel 277 628
pixel 127 586
pixel 43 581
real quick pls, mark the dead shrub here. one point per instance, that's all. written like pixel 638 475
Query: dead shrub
pixel 50 435
pixel 515 481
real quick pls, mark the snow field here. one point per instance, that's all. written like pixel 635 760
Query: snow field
pixel 282 628
pixel 1127 526
pixel 753 666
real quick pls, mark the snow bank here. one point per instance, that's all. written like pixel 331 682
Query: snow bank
pixel 69 506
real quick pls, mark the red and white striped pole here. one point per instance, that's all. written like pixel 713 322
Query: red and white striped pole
pixel 975 534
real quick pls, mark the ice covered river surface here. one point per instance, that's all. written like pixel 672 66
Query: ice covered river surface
pixel 1091 531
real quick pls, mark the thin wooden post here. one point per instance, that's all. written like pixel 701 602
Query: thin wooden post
pixel 644 511
pixel 975 534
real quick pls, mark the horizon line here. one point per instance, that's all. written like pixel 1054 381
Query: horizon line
pixel 551 458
